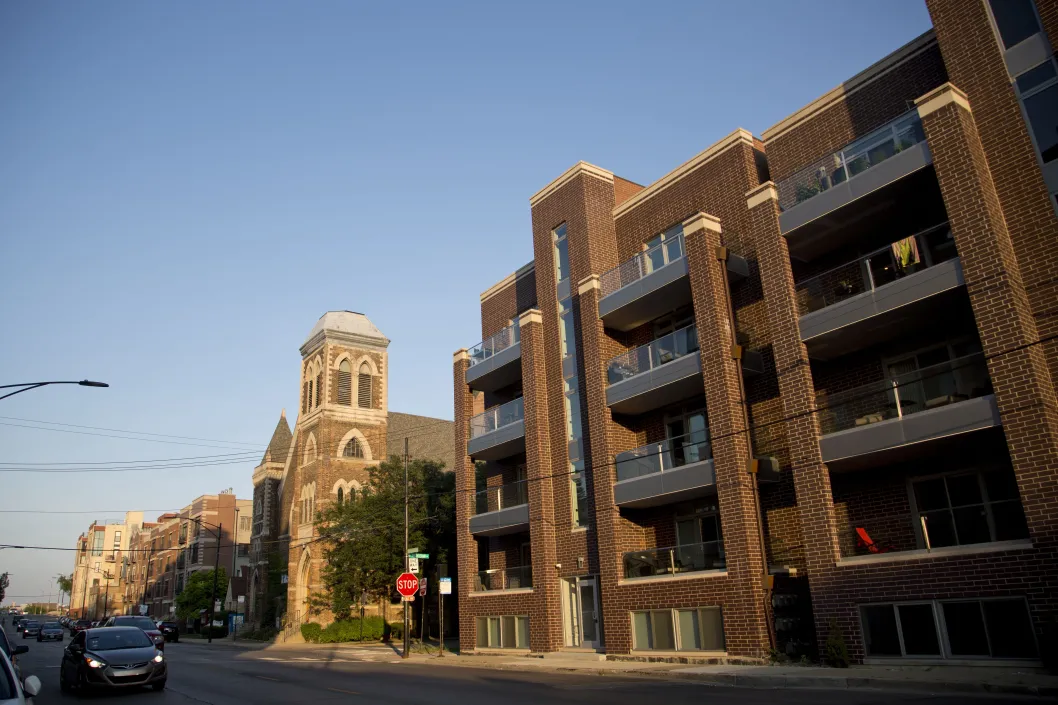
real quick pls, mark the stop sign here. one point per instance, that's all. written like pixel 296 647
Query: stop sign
pixel 407 584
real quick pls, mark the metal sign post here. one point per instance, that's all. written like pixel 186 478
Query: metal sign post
pixel 444 587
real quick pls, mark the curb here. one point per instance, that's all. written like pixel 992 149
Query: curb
pixel 225 644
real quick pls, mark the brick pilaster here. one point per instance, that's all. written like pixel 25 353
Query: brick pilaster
pixel 545 613
pixel 466 548
pixel 1024 389
pixel 811 477
pixel 736 492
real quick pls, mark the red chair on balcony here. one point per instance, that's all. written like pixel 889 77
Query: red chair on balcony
pixel 863 540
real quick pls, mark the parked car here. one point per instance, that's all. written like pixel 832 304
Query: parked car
pixel 50 631
pixel 20 624
pixel 12 652
pixel 112 657
pixel 30 628
pixel 79 626
pixel 170 630
pixel 145 623
pixel 13 689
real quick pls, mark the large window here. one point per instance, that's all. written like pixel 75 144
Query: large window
pixel 345 383
pixel 578 490
pixel 353 449
pixel 561 253
pixel 509 632
pixel 940 629
pixel 1038 90
pixel 968 508
pixel 97 543
pixel 691 629
pixel 657 257
pixel 1015 19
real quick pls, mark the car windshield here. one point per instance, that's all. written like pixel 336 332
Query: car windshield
pixel 169 624
pixel 141 622
pixel 32 624
pixel 52 625
pixel 111 639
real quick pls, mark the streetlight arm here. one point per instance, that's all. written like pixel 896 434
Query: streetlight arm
pixel 27 386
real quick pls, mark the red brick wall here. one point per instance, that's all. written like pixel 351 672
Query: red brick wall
pixel 503 306
pixel 624 189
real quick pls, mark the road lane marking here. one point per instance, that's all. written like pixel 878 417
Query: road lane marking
pixel 266 678
pixel 347 692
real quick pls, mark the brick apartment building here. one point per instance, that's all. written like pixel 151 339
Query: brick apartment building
pixel 793 386
pixel 345 427
pixel 167 551
pixel 101 552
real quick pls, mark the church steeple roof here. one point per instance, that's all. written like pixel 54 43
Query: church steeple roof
pixel 280 443
pixel 346 326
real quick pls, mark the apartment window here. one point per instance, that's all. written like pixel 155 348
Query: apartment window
pixel 658 256
pixel 97 543
pixel 508 632
pixel 970 628
pixel 566 329
pixel 1015 19
pixel 1037 89
pixel 194 553
pixel 578 489
pixel 183 534
pixel 117 540
pixel 561 253
pixel 967 508
pixel 573 421
pixel 363 387
pixel 692 629
pixel 345 383
pixel 353 449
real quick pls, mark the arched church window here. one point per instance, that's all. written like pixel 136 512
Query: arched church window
pixel 353 449
pixel 363 386
pixel 345 383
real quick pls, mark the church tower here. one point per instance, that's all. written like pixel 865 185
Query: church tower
pixel 341 431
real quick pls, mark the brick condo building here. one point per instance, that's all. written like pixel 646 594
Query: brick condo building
pixel 344 428
pixel 795 386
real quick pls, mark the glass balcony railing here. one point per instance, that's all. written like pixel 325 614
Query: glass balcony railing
pixel 666 455
pixel 834 169
pixel 674 560
pixel 905 394
pixel 497 417
pixel 664 350
pixel 634 269
pixel 495 343
pixel 876 269
pixel 504 579
pixel 493 499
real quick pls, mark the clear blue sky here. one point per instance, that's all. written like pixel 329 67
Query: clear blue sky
pixel 186 187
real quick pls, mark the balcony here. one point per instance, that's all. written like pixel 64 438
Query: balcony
pixel 652 283
pixel 498 432
pixel 657 374
pixel 496 361
pixel 517 578
pixel 886 166
pixel 673 470
pixel 501 510
pixel 868 424
pixel 905 285
pixel 676 560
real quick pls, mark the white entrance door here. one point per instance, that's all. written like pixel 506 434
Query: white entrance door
pixel 581 606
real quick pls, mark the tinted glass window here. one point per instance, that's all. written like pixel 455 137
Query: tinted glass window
pixel 919 630
pixel 52 625
pixel 879 622
pixel 1015 19
pixel 7 683
pixel 109 639
pixel 1009 629
pixel 1042 109
pixel 966 629
pixel 1034 77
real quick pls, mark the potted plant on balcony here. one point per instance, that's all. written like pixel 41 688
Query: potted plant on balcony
pixel 844 288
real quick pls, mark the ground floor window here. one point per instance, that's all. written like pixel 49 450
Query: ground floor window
pixel 986 628
pixel 691 629
pixel 509 632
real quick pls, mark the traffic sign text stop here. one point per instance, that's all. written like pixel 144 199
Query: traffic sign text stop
pixel 407 584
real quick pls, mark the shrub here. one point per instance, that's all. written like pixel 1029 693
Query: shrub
pixel 349 630
pixel 311 632
pixel 396 630
pixel 837 652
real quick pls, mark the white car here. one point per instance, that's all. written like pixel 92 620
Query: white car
pixel 13 692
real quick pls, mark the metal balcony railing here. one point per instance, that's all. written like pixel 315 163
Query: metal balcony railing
pixel 866 152
pixel 665 349
pixel 902 395
pixel 674 560
pixel 504 579
pixel 896 260
pixel 495 343
pixel 639 266
pixel 497 417
pixel 493 499
pixel 665 455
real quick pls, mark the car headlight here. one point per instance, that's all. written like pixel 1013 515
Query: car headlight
pixel 94 662
pixel 159 657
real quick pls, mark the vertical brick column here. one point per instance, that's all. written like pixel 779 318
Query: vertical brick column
pixel 811 477
pixel 1024 389
pixel 736 491
pixel 466 549
pixel 545 615
pixel 608 521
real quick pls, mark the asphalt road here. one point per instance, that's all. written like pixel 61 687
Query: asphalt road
pixel 225 676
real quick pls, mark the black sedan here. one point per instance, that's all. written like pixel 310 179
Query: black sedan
pixel 30 628
pixel 49 631
pixel 112 657
pixel 170 630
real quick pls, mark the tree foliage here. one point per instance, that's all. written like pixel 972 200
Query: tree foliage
pixel 5 580
pixel 65 583
pixel 197 591
pixel 366 550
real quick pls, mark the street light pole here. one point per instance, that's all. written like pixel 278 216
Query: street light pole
pixel 146 574
pixel 213 597
pixel 27 386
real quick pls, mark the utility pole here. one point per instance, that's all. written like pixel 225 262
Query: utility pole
pixel 84 590
pixel 407 637
pixel 146 573
pixel 213 597
pixel 108 576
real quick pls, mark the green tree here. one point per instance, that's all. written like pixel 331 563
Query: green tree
pixel 197 591
pixel 366 551
pixel 4 582
pixel 65 583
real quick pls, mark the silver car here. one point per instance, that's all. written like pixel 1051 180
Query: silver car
pixel 112 657
pixel 14 691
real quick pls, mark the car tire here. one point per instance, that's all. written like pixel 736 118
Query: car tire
pixel 158 686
